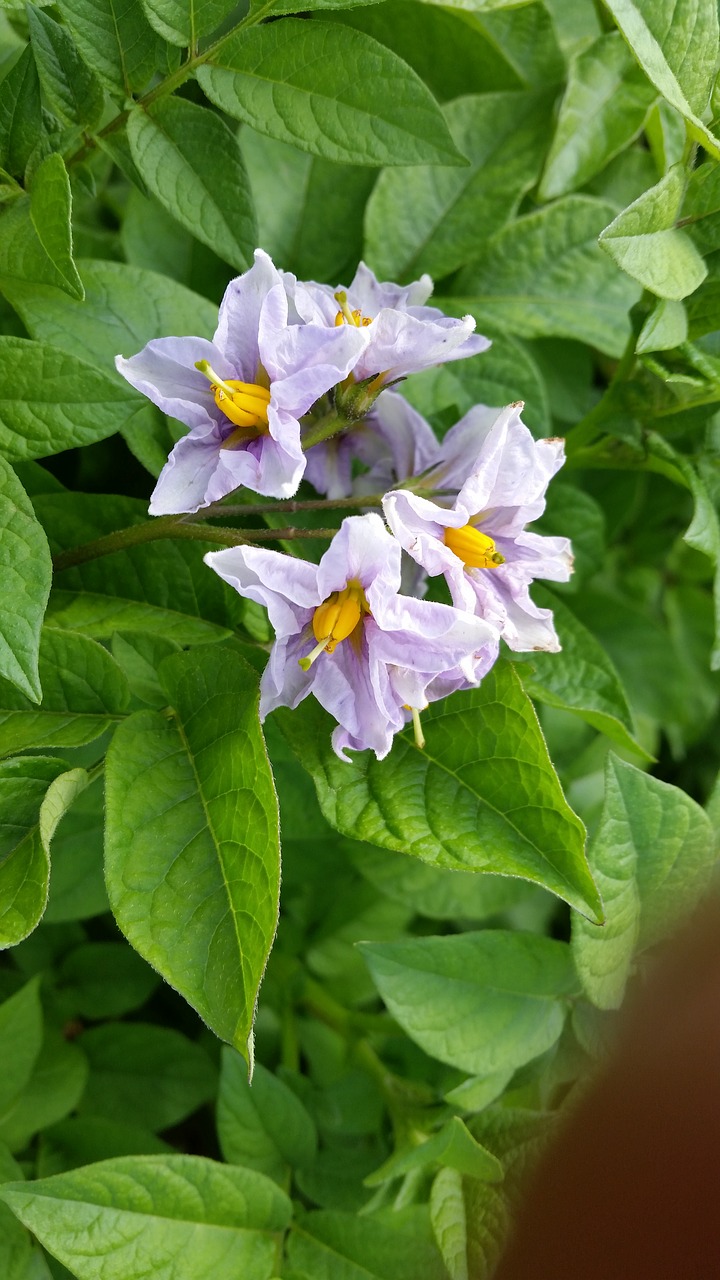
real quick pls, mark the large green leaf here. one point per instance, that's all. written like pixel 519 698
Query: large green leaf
pixel 35 791
pixel 262 1125
pixel 203 909
pixel 196 1219
pixel 482 796
pixel 582 678
pixel 163 587
pixel 25 576
pixel 483 1002
pixel 605 106
pixel 70 86
pixel 110 322
pixel 432 218
pixel 20 114
pixel 544 275
pixel 653 855
pixel 154 1074
pixel 20 1039
pixel 387 1245
pixel 115 39
pixel 645 242
pixel 84 691
pixel 50 401
pixel 190 160
pixel 36 243
pixel 675 42
pixel 330 91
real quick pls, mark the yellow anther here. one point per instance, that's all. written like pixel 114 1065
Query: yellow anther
pixel 244 403
pixel 336 619
pixel 346 316
pixel 475 549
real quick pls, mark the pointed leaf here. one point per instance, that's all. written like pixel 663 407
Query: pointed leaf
pixel 71 88
pixel 262 1125
pixel 37 233
pixel 35 791
pixel 331 91
pixel 645 242
pixel 453 1146
pixel 20 114
pixel 202 1220
pixel 482 796
pixel 183 22
pixel 653 855
pixel 115 39
pixel 190 160
pixel 483 1002
pixel 25 576
pixel 21 1025
pixel 202 911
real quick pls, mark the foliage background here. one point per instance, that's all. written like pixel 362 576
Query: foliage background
pixel 554 166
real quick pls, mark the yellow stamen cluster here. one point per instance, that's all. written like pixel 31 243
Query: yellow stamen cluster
pixel 336 619
pixel 475 549
pixel 244 403
pixel 346 316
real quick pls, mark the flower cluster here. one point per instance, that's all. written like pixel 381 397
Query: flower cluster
pixel 297 384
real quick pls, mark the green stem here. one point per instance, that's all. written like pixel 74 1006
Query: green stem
pixel 174 527
pixel 174 80
pixel 323 428
pixel 291 506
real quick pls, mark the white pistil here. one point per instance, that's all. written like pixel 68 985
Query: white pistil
pixel 306 663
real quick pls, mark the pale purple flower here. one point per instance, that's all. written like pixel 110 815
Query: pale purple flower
pixel 287 365
pixel 393 442
pixel 344 633
pixel 479 541
pixel 404 335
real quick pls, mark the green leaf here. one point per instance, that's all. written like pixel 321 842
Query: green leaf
pixel 438 892
pixel 20 114
pixel 51 1093
pixel 87 1139
pixel 525 37
pixel 666 327
pixel 483 1002
pixel 77 885
pixel 453 1146
pixel 604 108
pixel 183 22
pixel 34 793
pixel 154 1074
pixel 387 1245
pixel 645 242
pixel 310 211
pixel 139 654
pixel 675 42
pixel 115 39
pixel 202 911
pixel 701 207
pixel 482 796
pixel 105 980
pixel 653 856
pixel 204 1220
pixel 449 1221
pixel 110 322
pixel 20 1040
pixel 71 88
pixel 431 218
pixel 704 531
pixel 544 275
pixel 476 1093
pixel 163 588
pixel 581 678
pixel 37 235
pixel 190 160
pixel 330 91
pixel 263 1126
pixel 50 401
pixel 25 576
pixel 83 692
